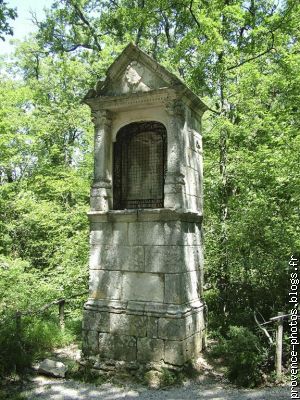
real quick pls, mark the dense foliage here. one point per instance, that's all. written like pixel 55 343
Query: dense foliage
pixel 242 58
pixel 243 354
pixel 6 15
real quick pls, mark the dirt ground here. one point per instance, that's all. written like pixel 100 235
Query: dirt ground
pixel 209 385
pixel 61 389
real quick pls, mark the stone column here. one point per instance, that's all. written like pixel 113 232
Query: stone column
pixel 101 192
pixel 174 183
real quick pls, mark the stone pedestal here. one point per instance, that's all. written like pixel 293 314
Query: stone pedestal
pixel 146 264
pixel 145 283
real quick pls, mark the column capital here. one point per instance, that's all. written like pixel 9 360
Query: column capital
pixel 101 118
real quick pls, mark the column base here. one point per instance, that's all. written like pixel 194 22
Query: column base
pixel 101 199
pixel 142 337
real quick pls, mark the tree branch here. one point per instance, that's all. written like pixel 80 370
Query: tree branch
pixel 192 13
pixel 87 24
pixel 141 26
pixel 76 46
pixel 167 31
pixel 263 329
pixel 270 48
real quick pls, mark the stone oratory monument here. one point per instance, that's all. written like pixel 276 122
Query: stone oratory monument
pixel 146 244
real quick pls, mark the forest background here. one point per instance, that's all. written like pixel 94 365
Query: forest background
pixel 243 59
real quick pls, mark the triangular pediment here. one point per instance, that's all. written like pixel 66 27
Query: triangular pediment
pixel 134 71
pixel 135 77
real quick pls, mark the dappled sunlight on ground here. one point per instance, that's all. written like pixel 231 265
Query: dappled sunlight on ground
pixel 60 389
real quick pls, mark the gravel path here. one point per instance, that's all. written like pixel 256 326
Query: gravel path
pixel 61 389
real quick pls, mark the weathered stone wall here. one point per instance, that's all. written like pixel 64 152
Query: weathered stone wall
pixel 193 163
pixel 145 283
pixel 142 338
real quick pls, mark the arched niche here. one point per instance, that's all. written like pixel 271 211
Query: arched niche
pixel 139 166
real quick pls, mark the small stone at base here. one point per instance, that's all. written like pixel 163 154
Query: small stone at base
pixel 52 368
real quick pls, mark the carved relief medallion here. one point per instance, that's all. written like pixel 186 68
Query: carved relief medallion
pixel 133 74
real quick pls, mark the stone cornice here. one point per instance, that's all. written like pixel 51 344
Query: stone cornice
pixel 144 215
pixel 123 102
pixel 144 308
pixel 162 96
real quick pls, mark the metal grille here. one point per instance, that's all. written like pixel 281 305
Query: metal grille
pixel 139 166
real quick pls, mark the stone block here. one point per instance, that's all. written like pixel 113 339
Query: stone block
pixel 52 368
pixel 174 198
pixel 179 328
pixel 90 342
pixel 191 233
pixel 99 231
pixel 125 348
pixel 97 216
pixel 137 307
pixel 143 286
pixel 194 160
pixel 118 258
pixel 111 233
pixel 173 328
pixel 175 352
pixel 106 346
pixel 96 321
pixel 193 258
pixel 172 259
pixel 132 325
pixel 193 345
pixel 119 234
pixel 101 200
pixel 195 141
pixel 105 305
pixel 193 182
pixel 194 203
pixel 198 321
pixel 105 284
pixel 191 284
pixel 117 347
pixel 152 327
pixel 122 216
pixel 164 259
pixel 174 290
pixel 137 233
pixel 180 288
pixel 172 233
pixel 157 215
pixel 155 309
pixel 155 233
pixel 150 350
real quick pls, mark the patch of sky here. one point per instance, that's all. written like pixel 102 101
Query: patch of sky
pixel 23 24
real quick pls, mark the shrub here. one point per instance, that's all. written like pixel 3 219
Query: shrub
pixel 23 289
pixel 37 336
pixel 243 355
